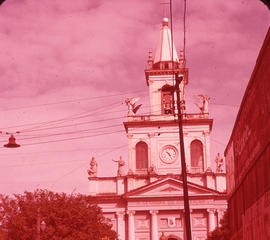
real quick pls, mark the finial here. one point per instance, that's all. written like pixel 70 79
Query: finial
pixel 150 55
pixel 165 21
pixel 150 60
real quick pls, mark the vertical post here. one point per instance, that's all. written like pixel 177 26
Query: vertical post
pixel 120 225
pixel 131 225
pixel 154 225
pixel 38 224
pixel 211 219
pixel 183 160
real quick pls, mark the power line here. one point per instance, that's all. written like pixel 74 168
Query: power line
pixel 32 163
pixel 68 139
pixel 97 108
pixel 70 118
pixel 75 169
pixel 77 124
pixel 72 132
pixel 69 101
pixel 60 151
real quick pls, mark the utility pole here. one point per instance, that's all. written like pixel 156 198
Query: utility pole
pixel 178 80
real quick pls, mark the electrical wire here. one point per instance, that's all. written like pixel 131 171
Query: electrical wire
pixel 75 169
pixel 68 139
pixel 72 132
pixel 69 101
pixel 70 118
pixel 98 109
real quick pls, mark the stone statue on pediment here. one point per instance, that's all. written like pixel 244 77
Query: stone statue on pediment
pixel 131 103
pixel 203 106
pixel 93 168
pixel 219 163
pixel 121 166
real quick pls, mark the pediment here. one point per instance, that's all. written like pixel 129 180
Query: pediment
pixel 169 187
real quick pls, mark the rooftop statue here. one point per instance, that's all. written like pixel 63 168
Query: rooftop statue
pixel 121 166
pixel 93 168
pixel 219 161
pixel 132 108
pixel 204 103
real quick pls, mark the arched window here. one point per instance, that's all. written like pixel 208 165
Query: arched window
pixel 196 156
pixel 167 99
pixel 141 155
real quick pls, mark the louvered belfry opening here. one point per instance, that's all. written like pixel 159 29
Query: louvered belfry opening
pixel 141 156
pixel 167 100
pixel 196 156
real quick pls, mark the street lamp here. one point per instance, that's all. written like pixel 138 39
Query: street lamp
pixel 12 142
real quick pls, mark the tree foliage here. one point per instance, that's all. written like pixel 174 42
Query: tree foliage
pixel 223 231
pixel 67 217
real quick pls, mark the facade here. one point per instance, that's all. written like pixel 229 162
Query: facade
pixel 147 201
pixel 248 156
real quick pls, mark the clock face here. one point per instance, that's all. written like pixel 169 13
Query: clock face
pixel 168 154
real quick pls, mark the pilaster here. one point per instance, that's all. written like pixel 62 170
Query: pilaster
pixel 131 225
pixel 93 186
pixel 120 187
pixel 221 182
pixel 211 219
pixel 154 224
pixel 121 225
pixel 220 215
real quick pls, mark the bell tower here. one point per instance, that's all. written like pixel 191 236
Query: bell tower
pixel 154 139
pixel 160 74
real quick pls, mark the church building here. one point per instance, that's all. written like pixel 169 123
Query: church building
pixel 147 202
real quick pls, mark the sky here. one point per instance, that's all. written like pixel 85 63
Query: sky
pixel 66 68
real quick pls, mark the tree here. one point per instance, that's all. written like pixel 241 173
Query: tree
pixel 222 232
pixel 67 217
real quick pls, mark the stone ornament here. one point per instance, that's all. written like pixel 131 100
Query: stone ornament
pixel 219 163
pixel 121 166
pixel 203 106
pixel 93 168
pixel 131 104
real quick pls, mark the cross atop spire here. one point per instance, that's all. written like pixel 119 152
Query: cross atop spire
pixel 165 4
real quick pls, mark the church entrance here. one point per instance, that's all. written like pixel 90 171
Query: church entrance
pixel 173 237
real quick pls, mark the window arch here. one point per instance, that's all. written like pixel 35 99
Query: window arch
pixel 196 155
pixel 141 155
pixel 167 99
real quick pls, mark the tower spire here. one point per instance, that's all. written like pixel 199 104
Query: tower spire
pixel 164 47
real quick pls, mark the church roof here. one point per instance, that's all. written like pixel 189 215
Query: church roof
pixel 164 47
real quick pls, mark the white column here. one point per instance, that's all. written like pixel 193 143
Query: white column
pixel 130 152
pixel 211 219
pixel 131 225
pixel 207 157
pixel 220 215
pixel 154 224
pixel 120 225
